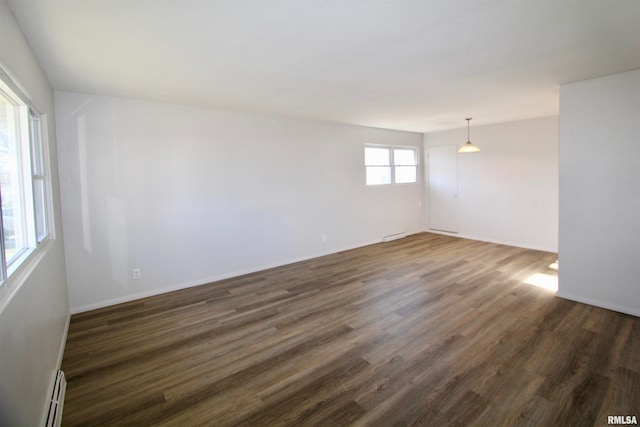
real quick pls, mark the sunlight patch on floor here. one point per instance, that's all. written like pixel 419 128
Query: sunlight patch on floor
pixel 545 281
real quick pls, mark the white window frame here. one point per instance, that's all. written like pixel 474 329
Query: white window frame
pixel 33 167
pixel 392 164
pixel 39 170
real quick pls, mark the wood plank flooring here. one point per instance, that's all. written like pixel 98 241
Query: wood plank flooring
pixel 426 330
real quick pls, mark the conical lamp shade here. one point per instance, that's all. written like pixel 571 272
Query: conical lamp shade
pixel 468 147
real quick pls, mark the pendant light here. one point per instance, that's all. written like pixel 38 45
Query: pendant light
pixel 468 147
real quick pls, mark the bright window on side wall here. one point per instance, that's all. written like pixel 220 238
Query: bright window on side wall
pixel 390 165
pixel 23 180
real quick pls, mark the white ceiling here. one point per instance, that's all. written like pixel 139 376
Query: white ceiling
pixel 416 65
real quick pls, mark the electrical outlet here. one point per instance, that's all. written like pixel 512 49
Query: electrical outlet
pixel 136 273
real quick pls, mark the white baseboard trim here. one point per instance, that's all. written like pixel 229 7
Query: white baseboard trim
pixel 63 343
pixel 499 242
pixel 634 311
pixel 207 280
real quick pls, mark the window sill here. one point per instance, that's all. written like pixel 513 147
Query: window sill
pixel 22 272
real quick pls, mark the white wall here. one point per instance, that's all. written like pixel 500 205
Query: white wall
pixel 190 195
pixel 508 192
pixel 600 192
pixel 33 304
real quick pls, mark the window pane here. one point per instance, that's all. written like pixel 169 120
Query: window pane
pixel 376 156
pixel 406 174
pixel 36 144
pixel 404 157
pixel 39 207
pixel 378 175
pixel 12 206
pixel 39 197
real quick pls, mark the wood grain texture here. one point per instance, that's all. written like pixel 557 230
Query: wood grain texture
pixel 425 330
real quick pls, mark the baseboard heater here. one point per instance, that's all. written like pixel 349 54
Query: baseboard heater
pixel 396 236
pixel 54 417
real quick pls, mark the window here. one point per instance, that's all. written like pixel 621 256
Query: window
pixel 23 183
pixel 378 165
pixel 39 181
pixel 387 165
pixel 405 162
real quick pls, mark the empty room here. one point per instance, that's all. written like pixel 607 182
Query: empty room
pixel 319 213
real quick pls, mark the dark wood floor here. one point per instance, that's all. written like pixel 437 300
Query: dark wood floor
pixel 426 330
